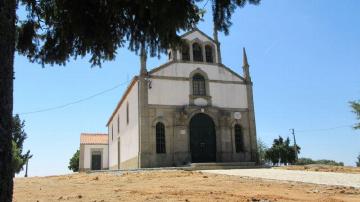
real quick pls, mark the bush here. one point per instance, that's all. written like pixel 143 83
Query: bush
pixel 74 162
pixel 261 149
pixel 304 161
pixel 307 161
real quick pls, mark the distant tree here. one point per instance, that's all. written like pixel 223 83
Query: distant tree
pixel 74 162
pixel 18 137
pixel 358 161
pixel 281 152
pixel 261 151
pixel 308 161
pixel 355 105
pixel 304 161
pixel 55 31
pixel 329 162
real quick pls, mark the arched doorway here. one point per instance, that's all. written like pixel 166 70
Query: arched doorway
pixel 202 138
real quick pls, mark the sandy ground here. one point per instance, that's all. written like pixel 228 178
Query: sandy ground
pixel 325 178
pixel 323 168
pixel 173 186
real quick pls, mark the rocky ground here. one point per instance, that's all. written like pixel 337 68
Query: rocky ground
pixel 173 186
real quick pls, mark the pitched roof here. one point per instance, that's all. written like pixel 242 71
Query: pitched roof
pixel 197 30
pixel 93 138
pixel 132 83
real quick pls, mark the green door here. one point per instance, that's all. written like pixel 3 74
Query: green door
pixel 202 139
pixel 96 161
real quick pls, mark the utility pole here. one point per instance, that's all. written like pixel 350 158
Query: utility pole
pixel 295 146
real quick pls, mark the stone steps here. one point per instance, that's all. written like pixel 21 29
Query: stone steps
pixel 227 165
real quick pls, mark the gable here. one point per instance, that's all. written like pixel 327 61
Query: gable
pixel 216 72
pixel 197 34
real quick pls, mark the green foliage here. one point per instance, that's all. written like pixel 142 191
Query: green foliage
pixel 358 161
pixel 304 161
pixel 18 136
pixel 355 105
pixel 17 161
pixel 308 161
pixel 261 149
pixel 281 152
pixel 74 162
pixel 223 10
pixel 329 162
pixel 55 31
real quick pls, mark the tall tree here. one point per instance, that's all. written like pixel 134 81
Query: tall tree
pixel 355 105
pixel 18 137
pixel 56 31
pixel 281 152
pixel 358 161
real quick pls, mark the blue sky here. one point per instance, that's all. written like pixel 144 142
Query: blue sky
pixel 304 62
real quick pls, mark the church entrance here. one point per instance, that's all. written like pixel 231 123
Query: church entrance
pixel 202 139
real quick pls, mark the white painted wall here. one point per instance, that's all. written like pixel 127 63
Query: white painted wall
pixel 169 92
pixel 176 92
pixel 228 95
pixel 128 133
pixel 87 155
pixel 214 72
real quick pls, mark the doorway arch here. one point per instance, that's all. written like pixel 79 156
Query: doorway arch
pixel 202 138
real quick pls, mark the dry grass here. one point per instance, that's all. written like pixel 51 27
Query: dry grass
pixel 172 186
pixel 323 168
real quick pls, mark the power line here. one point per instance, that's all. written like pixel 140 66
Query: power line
pixel 76 101
pixel 324 129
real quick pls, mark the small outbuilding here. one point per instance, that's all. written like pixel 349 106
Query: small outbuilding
pixel 93 151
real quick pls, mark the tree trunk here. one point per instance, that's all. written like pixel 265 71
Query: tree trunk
pixel 7 50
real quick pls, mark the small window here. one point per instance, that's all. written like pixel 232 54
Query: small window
pixel 185 52
pixel 199 85
pixel 197 52
pixel 209 53
pixel 160 138
pixel 239 146
pixel 127 113
pixel 112 133
pixel 118 124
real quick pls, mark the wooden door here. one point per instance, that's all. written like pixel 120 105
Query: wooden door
pixel 202 139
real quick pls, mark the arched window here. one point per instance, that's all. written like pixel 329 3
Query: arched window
pixel 160 138
pixel 209 53
pixel 198 85
pixel 239 146
pixel 185 52
pixel 197 52
pixel 127 113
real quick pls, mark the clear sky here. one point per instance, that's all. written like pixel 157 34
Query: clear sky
pixel 304 62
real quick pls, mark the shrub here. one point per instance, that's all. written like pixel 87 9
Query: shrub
pixel 307 161
pixel 74 162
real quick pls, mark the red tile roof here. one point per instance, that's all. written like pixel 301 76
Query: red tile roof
pixel 93 138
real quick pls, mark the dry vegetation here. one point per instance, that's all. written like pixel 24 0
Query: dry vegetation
pixel 323 168
pixel 172 186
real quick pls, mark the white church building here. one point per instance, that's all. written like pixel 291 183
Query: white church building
pixel 192 109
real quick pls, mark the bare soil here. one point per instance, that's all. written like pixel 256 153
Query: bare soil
pixel 172 186
pixel 323 168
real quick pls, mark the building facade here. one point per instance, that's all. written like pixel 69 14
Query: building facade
pixel 190 109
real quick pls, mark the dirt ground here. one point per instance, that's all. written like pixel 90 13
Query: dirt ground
pixel 323 168
pixel 172 186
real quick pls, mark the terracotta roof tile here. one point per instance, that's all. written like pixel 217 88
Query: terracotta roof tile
pixel 93 138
